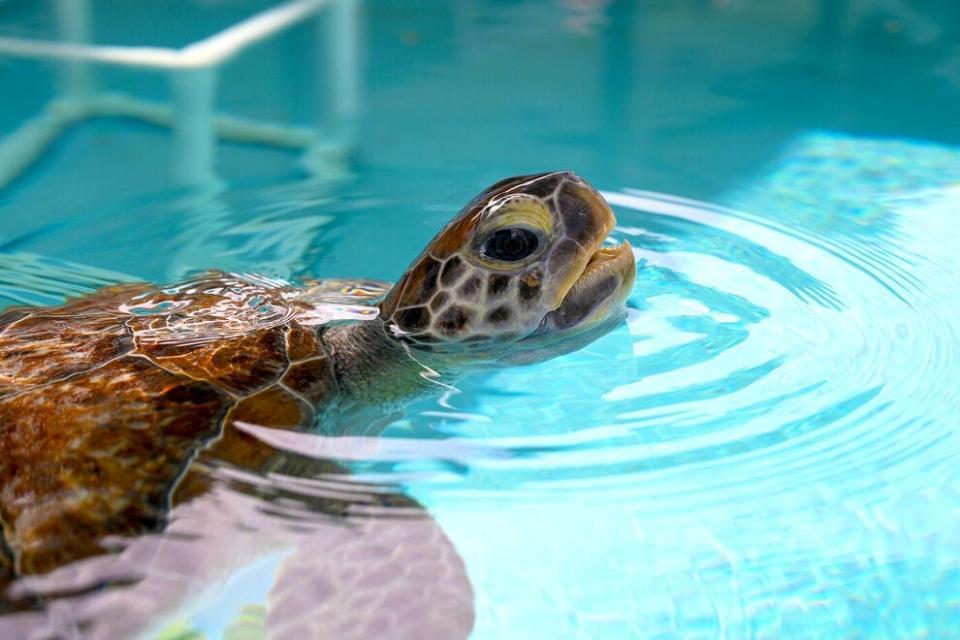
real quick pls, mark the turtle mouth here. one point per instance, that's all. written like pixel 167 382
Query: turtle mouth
pixel 617 258
pixel 599 291
pixel 616 262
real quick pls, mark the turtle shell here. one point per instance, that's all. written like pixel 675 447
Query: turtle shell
pixel 110 402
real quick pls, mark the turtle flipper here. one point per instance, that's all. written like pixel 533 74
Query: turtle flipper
pixel 393 577
pixel 133 591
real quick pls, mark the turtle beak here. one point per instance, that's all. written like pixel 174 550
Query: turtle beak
pixel 599 292
pixel 601 277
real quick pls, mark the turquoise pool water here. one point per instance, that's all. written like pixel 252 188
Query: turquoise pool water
pixel 767 448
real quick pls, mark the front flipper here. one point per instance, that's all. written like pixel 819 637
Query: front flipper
pixel 380 577
pixel 358 564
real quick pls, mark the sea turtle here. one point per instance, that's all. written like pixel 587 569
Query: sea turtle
pixel 118 410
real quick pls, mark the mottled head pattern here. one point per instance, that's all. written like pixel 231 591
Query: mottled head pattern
pixel 522 259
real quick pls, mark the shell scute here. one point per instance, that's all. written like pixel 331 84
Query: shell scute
pixel 303 343
pixel 9 316
pixel 272 407
pixel 98 457
pixel 240 365
pixel 40 348
pixel 312 379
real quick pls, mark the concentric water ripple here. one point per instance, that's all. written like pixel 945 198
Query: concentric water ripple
pixel 768 449
pixel 749 341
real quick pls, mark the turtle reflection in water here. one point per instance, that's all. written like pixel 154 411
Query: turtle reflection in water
pixel 125 413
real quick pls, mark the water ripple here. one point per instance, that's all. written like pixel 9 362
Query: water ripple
pixel 764 363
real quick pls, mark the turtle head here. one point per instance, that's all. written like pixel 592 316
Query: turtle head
pixel 519 275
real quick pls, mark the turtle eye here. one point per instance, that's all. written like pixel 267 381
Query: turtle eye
pixel 510 245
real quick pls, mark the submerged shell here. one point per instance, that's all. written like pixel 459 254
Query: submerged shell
pixel 107 400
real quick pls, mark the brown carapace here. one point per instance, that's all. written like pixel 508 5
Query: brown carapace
pixel 102 410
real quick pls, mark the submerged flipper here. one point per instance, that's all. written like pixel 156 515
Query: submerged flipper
pixel 390 577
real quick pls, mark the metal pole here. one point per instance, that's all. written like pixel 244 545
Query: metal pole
pixel 73 25
pixel 194 137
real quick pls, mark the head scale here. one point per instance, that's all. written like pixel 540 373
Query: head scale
pixel 520 267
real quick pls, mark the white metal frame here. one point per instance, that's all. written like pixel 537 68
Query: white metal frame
pixel 192 70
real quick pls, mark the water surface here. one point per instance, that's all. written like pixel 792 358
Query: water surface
pixel 766 448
